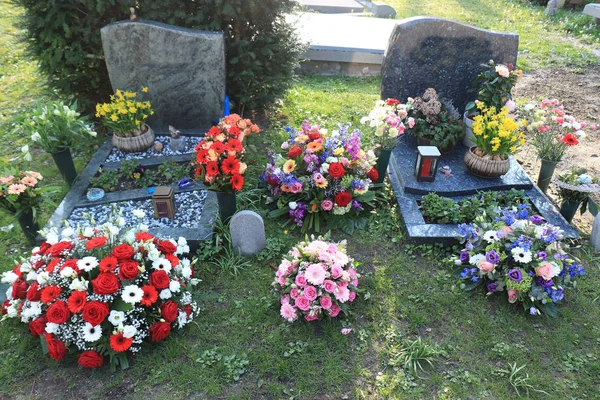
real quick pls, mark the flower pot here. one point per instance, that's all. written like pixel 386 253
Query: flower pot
pixel 485 167
pixel 65 165
pixel 546 172
pixel 568 209
pixel 227 206
pixel 177 144
pixel 133 144
pixel 29 227
pixel 383 159
pixel 469 139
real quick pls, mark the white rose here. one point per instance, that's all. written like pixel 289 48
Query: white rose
pixel 165 294
pixel 67 272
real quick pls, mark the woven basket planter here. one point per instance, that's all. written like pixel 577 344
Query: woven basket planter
pixel 485 167
pixel 134 144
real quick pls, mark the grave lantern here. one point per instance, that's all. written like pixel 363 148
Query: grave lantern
pixel 164 205
pixel 426 165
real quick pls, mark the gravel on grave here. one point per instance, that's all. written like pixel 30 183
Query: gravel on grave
pixel 190 144
pixel 188 207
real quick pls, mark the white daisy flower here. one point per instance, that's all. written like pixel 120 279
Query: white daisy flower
pixel 139 213
pixel 174 286
pixel 165 294
pixel 51 327
pixel 87 263
pixel 490 236
pixel 129 331
pixel 116 317
pixel 91 333
pixel 521 255
pixel 162 264
pixel 132 294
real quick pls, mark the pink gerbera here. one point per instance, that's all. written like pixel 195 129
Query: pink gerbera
pixel 315 274
pixel 16 188
pixel 6 179
pixel 29 181
pixel 34 174
pixel 288 312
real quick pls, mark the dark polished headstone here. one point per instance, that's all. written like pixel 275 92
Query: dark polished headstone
pixel 184 70
pixel 445 55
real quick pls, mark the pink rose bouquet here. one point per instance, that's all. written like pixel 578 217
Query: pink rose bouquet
pixel 315 279
pixel 389 119
pixel 520 254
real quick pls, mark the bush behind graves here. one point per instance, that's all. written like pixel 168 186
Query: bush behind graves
pixel 262 50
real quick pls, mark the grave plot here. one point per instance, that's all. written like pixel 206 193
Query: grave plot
pixel 195 207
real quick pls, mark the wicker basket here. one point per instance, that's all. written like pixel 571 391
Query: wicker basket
pixel 484 167
pixel 133 144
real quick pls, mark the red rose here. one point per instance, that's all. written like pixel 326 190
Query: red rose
pixel 56 348
pixel 90 359
pixel 76 301
pixel 342 199
pixel 159 279
pixel 128 270
pixel 108 264
pixel 295 151
pixel 392 102
pixel 336 170
pixel 43 247
pixel 166 247
pixel 105 283
pixel 123 252
pixel 49 293
pixel 95 243
pixel 17 270
pixel 169 310
pixel 38 326
pixel 314 135
pixel 143 237
pixel 71 262
pixel 373 175
pixel 95 312
pixel 5 305
pixel 33 293
pixel 59 248
pixel 58 312
pixel 19 289
pixel 172 259
pixel 159 331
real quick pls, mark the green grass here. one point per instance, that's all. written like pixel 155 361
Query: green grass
pixel 566 39
pixel 410 308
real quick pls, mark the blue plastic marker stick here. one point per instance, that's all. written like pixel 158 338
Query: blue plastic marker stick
pixel 226 107
pixel 151 190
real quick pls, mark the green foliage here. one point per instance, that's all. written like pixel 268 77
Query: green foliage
pixel 520 380
pixel 218 252
pixel 273 248
pixel 131 175
pixel 230 367
pixel 411 355
pixel 492 88
pixel 262 49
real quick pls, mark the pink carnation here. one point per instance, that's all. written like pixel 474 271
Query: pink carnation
pixel 285 299
pixel 310 292
pixel 326 302
pixel 334 311
pixel 329 286
pixel 288 312
pixel 303 303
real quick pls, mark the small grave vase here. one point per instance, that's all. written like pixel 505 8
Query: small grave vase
pixel 227 205
pixel 383 159
pixel 177 144
pixel 568 209
pixel 546 172
pixel 469 139
pixel 28 226
pixel 485 167
pixel 132 144
pixel 64 162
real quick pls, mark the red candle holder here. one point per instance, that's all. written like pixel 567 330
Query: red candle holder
pixel 426 166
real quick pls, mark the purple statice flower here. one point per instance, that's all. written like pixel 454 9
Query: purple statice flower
pixel 523 241
pixel 356 205
pixel 542 255
pixel 492 257
pixel 562 257
pixel 515 274
pixel 464 257
pixel 576 270
pixel 551 234
pixel 492 287
pixel 469 246
pixel 555 294
pixel 536 219
pixel 544 283
pixel 299 213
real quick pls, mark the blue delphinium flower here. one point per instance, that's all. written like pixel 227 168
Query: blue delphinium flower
pixel 576 270
pixel 467 231
pixel 555 294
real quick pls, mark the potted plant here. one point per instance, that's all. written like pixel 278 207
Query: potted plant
pixel 387 119
pixel 574 189
pixel 20 196
pixel 219 160
pixel 497 136
pixel 437 122
pixel 553 133
pixel 494 87
pixel 55 127
pixel 126 116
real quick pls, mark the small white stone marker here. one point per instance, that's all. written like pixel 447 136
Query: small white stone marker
pixel 247 233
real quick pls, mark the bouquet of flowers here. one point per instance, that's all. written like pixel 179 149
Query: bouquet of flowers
pixel 388 118
pixel 125 115
pixel 316 279
pixel 576 186
pixel 519 254
pixel 53 127
pixel 97 293
pixel 21 194
pixel 495 86
pixel 321 175
pixel 497 135
pixel 219 156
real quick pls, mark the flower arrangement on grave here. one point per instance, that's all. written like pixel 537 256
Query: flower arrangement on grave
pixel 495 86
pixel 315 279
pixel 55 128
pixel 100 293
pixel 125 115
pixel 519 254
pixel 322 176
pixel 497 136
pixel 574 189
pixel 219 160
pixel 437 122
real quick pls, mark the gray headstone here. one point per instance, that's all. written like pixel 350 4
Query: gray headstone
pixel 184 70
pixel 441 54
pixel 3 288
pixel 247 233
pixel 382 10
pixel 595 238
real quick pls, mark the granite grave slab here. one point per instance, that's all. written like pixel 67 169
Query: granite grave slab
pixel 426 52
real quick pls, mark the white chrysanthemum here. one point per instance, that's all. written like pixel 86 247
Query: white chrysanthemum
pixel 490 236
pixel 51 327
pixel 476 259
pixel 521 255
pixel 132 294
pixel 68 272
pixel 181 319
pixel 9 277
pixel 129 331
pixel 91 333
pixel 79 284
pixel 165 294
pixel 174 286
pixel 116 317
pixel 139 213
pixel 162 264
pixel 87 263
pixel 186 272
pixel 31 310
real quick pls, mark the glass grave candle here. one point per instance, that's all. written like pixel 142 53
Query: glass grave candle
pixel 426 166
